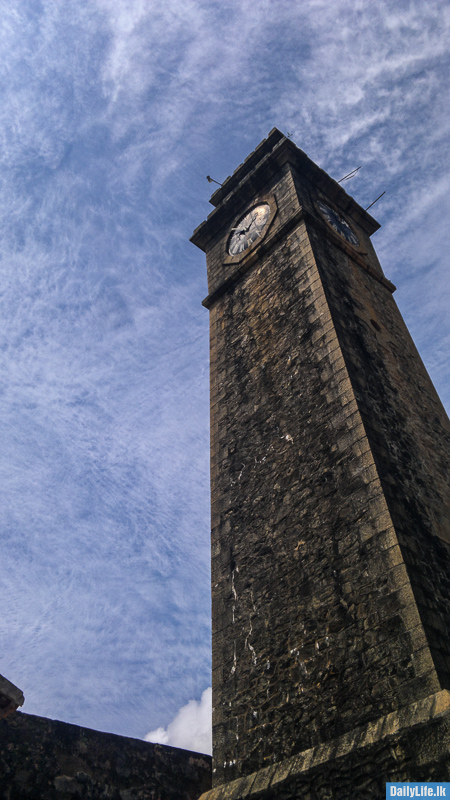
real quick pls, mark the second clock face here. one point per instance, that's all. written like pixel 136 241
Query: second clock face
pixel 248 229
pixel 338 223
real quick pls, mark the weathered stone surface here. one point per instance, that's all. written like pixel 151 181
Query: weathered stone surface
pixel 10 697
pixel 42 759
pixel 411 745
pixel 330 480
pixel 408 430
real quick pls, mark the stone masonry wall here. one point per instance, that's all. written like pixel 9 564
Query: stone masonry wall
pixel 407 427
pixel 43 759
pixel 330 489
pixel 315 627
pixel 412 744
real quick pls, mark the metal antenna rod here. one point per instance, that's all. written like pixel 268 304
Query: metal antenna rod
pixel 372 204
pixel 350 175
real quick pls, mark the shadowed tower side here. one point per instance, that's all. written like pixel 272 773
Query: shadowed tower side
pixel 330 492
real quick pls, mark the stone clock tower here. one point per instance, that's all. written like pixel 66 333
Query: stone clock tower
pixel 330 499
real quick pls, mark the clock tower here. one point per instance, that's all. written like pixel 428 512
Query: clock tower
pixel 330 479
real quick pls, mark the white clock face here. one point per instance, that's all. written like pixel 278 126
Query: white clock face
pixel 249 229
pixel 338 223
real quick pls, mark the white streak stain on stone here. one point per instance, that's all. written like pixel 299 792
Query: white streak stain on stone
pixel 233 668
pixel 247 644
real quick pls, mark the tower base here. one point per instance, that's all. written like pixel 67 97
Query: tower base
pixel 412 744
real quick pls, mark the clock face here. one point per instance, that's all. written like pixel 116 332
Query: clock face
pixel 250 228
pixel 338 223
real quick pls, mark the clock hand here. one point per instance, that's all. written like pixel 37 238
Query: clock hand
pixel 239 229
pixel 249 225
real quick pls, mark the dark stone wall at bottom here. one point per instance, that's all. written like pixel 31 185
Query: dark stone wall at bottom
pixel 43 759
pixel 410 744
pixel 364 774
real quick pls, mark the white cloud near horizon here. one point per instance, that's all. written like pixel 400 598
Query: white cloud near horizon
pixel 190 729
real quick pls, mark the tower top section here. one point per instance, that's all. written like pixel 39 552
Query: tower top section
pixel 271 155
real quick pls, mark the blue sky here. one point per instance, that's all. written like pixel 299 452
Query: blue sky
pixel 112 114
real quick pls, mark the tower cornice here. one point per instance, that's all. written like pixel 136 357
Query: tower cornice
pixel 248 179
